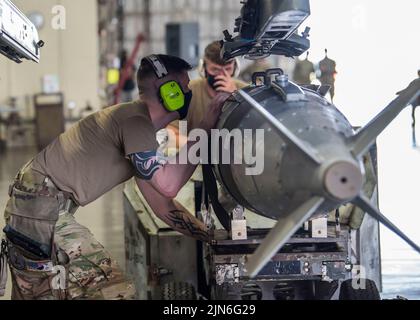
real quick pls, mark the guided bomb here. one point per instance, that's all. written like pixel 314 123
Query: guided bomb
pixel 313 158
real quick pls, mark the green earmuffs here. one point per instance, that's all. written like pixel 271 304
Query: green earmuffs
pixel 172 96
pixel 170 93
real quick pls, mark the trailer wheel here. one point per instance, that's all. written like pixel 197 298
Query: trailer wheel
pixel 178 291
pixel 347 292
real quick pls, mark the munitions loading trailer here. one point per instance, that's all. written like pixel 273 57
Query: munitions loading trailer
pixel 321 261
pixel 320 256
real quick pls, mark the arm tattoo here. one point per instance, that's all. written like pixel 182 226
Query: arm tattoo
pixel 147 163
pixel 185 223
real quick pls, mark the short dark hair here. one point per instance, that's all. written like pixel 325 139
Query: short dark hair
pixel 173 65
pixel 213 52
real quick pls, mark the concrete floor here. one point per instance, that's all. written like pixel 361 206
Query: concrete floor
pixel 103 217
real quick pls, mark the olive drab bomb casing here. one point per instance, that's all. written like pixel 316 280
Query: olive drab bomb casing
pixel 312 156
pixel 313 159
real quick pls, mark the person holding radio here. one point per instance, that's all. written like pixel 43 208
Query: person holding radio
pixel 100 152
pixel 216 76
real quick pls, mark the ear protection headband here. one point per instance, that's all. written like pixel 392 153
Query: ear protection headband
pixel 170 93
pixel 202 68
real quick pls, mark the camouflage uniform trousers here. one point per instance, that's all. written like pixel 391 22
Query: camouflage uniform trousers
pixel 92 273
pixel 89 271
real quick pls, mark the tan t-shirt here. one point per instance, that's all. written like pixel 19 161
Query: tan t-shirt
pixel 199 104
pixel 90 159
pixel 201 100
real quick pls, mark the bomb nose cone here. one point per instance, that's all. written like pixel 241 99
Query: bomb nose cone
pixel 343 180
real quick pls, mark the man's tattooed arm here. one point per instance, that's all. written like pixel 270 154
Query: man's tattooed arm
pixel 147 163
pixel 165 176
pixel 187 224
pixel 173 213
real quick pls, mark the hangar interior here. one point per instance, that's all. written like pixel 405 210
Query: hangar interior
pixel 92 50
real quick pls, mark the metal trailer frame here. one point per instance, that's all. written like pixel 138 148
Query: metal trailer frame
pixel 299 273
pixel 305 268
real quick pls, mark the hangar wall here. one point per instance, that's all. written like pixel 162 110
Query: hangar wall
pixel 153 15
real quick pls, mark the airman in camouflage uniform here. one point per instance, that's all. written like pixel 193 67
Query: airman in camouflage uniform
pixel 50 255
pixel 89 270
